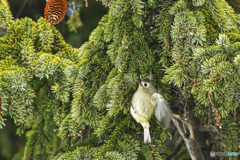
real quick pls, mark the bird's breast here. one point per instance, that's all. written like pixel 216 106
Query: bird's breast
pixel 143 107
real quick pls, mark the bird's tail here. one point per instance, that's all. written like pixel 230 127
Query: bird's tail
pixel 163 113
pixel 147 137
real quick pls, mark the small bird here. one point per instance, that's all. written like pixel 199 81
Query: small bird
pixel 147 100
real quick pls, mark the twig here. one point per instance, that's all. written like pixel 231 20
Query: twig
pixel 184 128
pixel 191 144
pixel 89 134
pixel 185 105
pixel 0 108
pixel 3 28
pixel 44 134
pixel 193 80
pixel 218 118
pixel 65 136
pixel 75 141
pixel 209 113
pixel 151 151
pixel 65 86
pixel 142 59
pixel 175 151
pixel 234 114
pixel 189 125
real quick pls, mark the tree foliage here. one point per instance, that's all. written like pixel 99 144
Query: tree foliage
pixel 74 103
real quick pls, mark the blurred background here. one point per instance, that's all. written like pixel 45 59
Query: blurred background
pixel 75 31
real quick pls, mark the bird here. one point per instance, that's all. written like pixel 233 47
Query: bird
pixel 146 101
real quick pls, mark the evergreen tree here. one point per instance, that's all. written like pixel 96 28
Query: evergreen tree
pixel 75 103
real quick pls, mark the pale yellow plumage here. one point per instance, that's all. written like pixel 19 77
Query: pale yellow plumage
pixel 145 101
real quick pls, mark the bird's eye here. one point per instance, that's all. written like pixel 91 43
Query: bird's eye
pixel 145 84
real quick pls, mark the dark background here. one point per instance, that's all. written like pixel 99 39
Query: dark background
pixel 12 145
pixel 90 17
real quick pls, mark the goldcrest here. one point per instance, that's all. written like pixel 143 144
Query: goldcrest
pixel 147 100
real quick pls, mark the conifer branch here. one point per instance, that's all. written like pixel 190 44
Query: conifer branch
pixel 209 113
pixel 151 150
pixel 65 86
pixel 77 139
pixel 44 134
pixel 3 29
pixel 218 118
pixel 140 58
pixel 193 80
pixel 65 136
pixel 186 56
pixel 191 144
pixel 189 126
pixel 185 104
pixel 0 108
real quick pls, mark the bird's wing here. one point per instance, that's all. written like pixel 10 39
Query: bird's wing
pixel 162 110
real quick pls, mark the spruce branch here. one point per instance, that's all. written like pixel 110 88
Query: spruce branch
pixel 65 136
pixel 218 118
pixel 0 108
pixel 209 113
pixel 141 58
pixel 65 86
pixel 44 134
pixel 191 144
pixel 151 150
pixel 178 35
pixel 3 29
pixel 190 128
pixel 234 114
pixel 77 139
pixel 185 104
pixel 215 13
pixel 193 80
